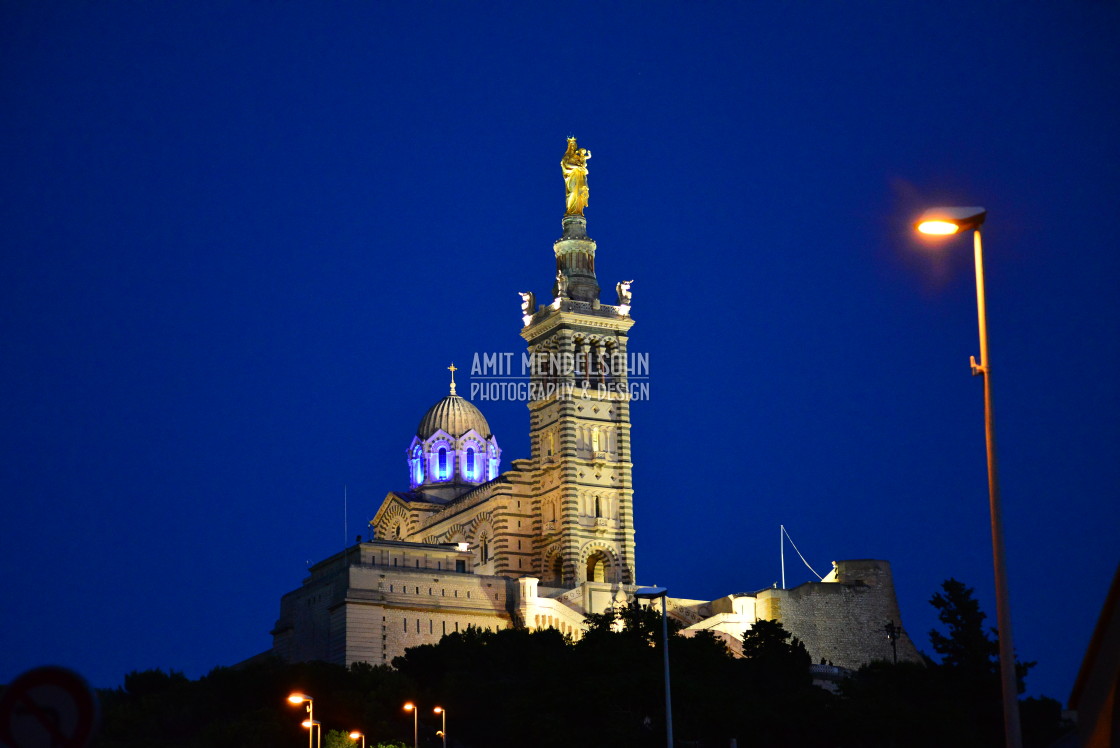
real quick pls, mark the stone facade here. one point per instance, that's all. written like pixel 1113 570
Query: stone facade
pixel 552 539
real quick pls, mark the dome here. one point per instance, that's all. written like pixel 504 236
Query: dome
pixel 454 415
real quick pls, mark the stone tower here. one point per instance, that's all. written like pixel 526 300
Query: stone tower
pixel 579 423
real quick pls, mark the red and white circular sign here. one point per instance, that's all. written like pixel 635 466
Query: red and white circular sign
pixel 49 707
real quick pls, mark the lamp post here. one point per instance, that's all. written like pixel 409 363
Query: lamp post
pixel 410 707
pixel 299 698
pixel 892 636
pixel 354 735
pixel 652 593
pixel 313 724
pixel 443 715
pixel 948 221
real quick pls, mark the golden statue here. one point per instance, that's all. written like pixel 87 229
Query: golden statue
pixel 574 168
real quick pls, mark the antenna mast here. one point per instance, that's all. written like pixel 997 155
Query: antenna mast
pixel 782 551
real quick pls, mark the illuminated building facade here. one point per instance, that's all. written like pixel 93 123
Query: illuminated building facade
pixel 552 538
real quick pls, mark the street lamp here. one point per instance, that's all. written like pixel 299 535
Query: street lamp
pixel 410 707
pixel 652 593
pixel 442 733
pixel 299 698
pixel 314 723
pixel 355 735
pixel 947 221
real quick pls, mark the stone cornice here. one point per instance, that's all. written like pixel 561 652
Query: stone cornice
pixel 605 318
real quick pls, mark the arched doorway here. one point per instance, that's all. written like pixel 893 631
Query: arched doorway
pixel 598 566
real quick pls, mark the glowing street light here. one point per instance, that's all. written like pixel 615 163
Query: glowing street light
pixel 442 733
pixel 355 735
pixel 314 723
pixel 410 707
pixel 948 221
pixel 299 698
pixel 652 593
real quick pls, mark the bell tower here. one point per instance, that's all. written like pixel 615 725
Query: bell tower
pixel 579 406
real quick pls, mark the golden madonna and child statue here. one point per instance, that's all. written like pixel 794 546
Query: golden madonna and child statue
pixel 574 168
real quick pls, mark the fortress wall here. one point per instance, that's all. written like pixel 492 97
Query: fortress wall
pixel 842 619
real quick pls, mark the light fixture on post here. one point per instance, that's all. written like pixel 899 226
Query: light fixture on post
pixel 354 735
pixel 313 724
pixel 948 221
pixel 410 707
pixel 652 593
pixel 299 698
pixel 442 733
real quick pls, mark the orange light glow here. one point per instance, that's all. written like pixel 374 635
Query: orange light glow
pixel 355 735
pixel 939 228
pixel 307 723
pixel 438 709
pixel 298 698
pixel 409 706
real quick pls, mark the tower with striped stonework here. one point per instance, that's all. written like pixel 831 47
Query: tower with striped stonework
pixel 579 423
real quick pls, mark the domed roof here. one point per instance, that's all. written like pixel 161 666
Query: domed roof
pixel 454 415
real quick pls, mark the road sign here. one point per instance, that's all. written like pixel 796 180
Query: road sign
pixel 49 707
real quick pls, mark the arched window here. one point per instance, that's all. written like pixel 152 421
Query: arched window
pixel 442 463
pixel 470 463
pixel 483 549
pixel 598 507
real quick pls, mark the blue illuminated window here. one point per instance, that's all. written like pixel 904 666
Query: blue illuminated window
pixel 442 463
pixel 470 463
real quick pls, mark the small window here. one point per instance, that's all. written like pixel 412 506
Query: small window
pixel 470 463
pixel 460 565
pixel 442 462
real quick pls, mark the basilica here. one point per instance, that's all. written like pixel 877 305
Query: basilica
pixel 550 539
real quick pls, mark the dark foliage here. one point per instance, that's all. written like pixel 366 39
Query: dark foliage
pixel 247 707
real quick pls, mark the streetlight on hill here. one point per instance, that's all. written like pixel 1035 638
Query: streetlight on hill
pixel 443 714
pixel 313 724
pixel 410 707
pixel 299 698
pixel 946 222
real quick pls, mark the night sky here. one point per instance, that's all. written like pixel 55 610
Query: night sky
pixel 243 241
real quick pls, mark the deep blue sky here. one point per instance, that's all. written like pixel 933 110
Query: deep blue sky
pixel 241 241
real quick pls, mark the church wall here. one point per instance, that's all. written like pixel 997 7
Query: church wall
pixel 414 608
pixel 303 631
pixel 373 613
